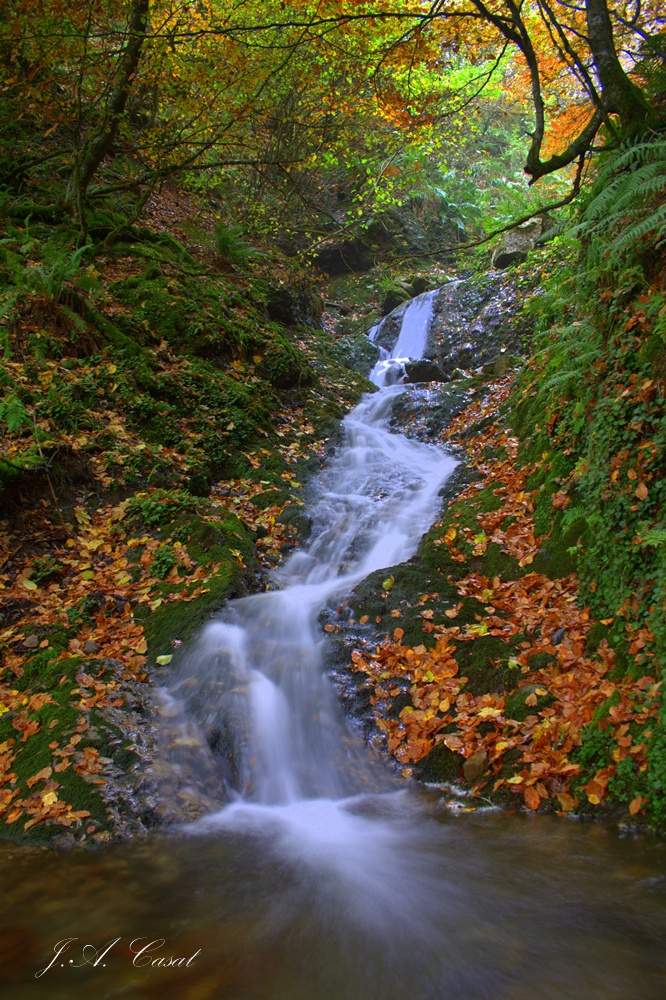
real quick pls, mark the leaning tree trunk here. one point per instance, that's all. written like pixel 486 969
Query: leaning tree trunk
pixel 96 149
pixel 620 95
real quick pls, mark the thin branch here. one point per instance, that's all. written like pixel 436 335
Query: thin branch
pixel 457 247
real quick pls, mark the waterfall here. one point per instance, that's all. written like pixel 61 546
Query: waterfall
pixel 252 698
pixel 411 342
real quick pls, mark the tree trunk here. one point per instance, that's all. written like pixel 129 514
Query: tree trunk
pixel 620 95
pixel 96 149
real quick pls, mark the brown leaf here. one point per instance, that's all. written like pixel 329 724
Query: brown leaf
pixel 532 798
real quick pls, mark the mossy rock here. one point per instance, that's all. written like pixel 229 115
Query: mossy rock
pixel 208 542
pixel 475 661
pixel 57 723
pixel 441 766
pixel 516 706
pixel 285 366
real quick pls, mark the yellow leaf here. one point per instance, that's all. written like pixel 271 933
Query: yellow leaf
pixel 29 584
pixel 141 646
pixel 49 799
pixel 112 369
pixel 82 516
pixel 480 629
pixel 388 583
pixel 163 660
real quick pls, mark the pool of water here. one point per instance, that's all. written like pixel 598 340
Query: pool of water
pixel 372 898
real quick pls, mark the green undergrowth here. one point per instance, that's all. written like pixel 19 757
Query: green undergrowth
pixel 225 545
pixel 148 369
pixel 590 405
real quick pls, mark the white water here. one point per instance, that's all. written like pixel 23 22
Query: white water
pixel 255 683
pixel 411 342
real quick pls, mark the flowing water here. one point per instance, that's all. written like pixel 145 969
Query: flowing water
pixel 312 874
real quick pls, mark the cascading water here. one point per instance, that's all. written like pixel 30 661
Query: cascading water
pixel 411 342
pixel 255 687
pixel 304 886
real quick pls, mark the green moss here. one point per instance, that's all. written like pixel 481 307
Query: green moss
pixel 516 706
pixel 484 661
pixel 270 498
pixel 284 365
pixel 440 766
pixel 207 543
pixel 595 636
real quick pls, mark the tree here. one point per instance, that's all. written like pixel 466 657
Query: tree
pixel 150 88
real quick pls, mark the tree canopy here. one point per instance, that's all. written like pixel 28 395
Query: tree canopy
pixel 152 88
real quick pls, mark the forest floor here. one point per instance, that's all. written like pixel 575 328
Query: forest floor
pixel 165 410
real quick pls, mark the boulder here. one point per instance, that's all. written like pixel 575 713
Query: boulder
pixel 424 371
pixel 344 256
pixel 295 303
pixel 517 244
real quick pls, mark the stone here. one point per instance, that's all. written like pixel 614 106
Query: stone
pixel 424 371
pixel 517 244
pixel 91 648
pixel 295 303
pixel 394 297
pixel 499 365
pixel 475 766
pixel 32 642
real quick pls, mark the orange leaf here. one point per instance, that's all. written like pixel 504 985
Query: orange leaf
pixel 641 491
pixel 635 805
pixel 532 798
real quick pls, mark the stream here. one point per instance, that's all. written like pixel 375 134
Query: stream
pixel 312 872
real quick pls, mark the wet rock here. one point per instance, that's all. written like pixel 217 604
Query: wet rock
pixel 424 371
pixel 91 648
pixel 475 766
pixel 557 637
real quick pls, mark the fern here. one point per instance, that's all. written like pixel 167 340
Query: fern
pixel 14 413
pixel 626 202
